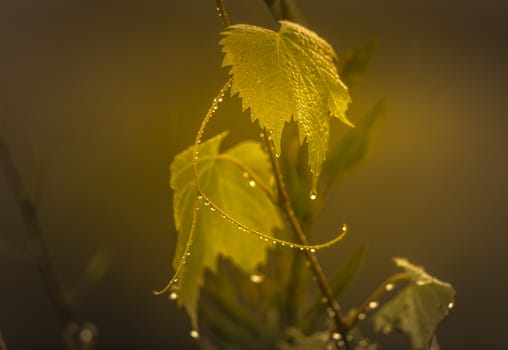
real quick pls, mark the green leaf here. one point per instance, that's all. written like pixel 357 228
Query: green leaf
pixel 356 62
pixel 354 145
pixel 417 309
pixel 224 182
pixel 290 73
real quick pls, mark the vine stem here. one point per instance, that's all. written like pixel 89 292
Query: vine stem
pixel 223 13
pixel 340 319
pixel 202 197
pixel 381 290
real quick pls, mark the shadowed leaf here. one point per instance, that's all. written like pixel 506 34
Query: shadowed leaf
pixel 417 309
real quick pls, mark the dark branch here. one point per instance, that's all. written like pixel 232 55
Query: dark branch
pixel 35 238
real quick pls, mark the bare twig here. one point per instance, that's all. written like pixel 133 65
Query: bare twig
pixel 35 238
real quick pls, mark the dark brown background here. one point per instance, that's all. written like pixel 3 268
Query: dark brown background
pixel 108 92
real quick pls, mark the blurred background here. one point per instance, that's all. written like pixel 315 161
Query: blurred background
pixel 97 97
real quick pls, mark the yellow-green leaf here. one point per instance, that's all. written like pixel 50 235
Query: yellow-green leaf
pixel 285 74
pixel 417 309
pixel 225 181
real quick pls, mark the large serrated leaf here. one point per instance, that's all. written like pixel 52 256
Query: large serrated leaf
pixel 285 74
pixel 225 184
pixel 417 309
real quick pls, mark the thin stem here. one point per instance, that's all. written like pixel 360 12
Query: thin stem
pixel 35 237
pixel 250 174
pixel 382 289
pixel 39 248
pixel 340 320
pixel 223 13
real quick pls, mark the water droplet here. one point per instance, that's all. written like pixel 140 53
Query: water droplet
pixel 207 203
pixel 387 329
pixel 173 296
pixel 373 304
pixel 188 253
pixel 212 209
pixel 255 278
pixel 291 246
pixel 361 316
pixel 194 334
pixel 420 282
pixel 277 155
pixel 200 197
pixel 86 335
pixel 336 336
pixel 313 196
pixel 389 286
pixel 324 300
pixel 274 242
pixel 312 250
pixel 266 239
pixel 252 183
pixel 344 228
pixel 450 305
pixel 220 99
pixel 301 248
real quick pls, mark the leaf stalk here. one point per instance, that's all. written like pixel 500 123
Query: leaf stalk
pixel 378 293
